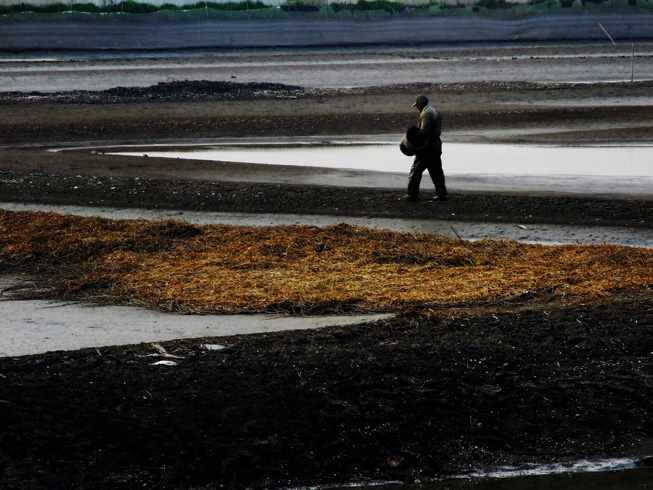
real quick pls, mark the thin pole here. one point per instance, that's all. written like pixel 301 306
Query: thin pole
pixel 606 33
pixel 632 65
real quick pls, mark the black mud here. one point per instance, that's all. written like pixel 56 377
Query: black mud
pixel 37 187
pixel 403 399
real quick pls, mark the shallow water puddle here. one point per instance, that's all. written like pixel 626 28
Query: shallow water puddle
pixel 458 158
pixel 613 476
pixel 41 326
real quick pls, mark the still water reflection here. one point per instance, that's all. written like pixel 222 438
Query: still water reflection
pixel 633 479
pixel 458 158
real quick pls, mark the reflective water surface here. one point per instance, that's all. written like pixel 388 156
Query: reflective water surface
pixel 632 479
pixel 458 158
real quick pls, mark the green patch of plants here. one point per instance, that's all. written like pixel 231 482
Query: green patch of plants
pixel 28 7
pixel 132 7
pixel 86 7
pixel 494 4
pixel 368 5
pixel 127 6
pixel 234 5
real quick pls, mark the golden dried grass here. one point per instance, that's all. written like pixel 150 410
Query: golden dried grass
pixel 174 266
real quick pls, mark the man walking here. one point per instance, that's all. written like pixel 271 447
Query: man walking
pixel 428 158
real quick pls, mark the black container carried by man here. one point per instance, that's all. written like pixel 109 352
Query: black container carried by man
pixel 412 142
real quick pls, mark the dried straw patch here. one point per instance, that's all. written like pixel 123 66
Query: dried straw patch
pixel 174 266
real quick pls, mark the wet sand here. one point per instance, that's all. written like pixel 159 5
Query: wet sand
pixel 341 66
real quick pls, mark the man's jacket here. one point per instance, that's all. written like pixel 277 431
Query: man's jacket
pixel 430 125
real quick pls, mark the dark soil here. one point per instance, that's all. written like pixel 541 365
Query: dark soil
pixel 84 190
pixel 413 397
pixel 403 399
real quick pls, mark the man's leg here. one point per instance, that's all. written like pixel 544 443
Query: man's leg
pixel 415 177
pixel 437 176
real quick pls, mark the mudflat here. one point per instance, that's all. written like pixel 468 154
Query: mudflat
pixel 420 396
pixel 563 114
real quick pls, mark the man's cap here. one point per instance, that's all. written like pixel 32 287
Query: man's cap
pixel 421 100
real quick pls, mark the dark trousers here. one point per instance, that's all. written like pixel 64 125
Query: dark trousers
pixel 430 160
